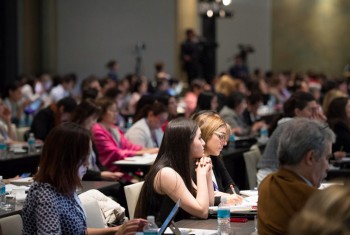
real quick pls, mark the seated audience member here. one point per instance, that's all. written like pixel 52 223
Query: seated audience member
pixel 46 119
pixel 329 97
pixel 190 99
pixel 91 82
pixel 14 103
pixel 326 213
pixel 232 113
pixel 86 115
pixel 147 131
pixel 64 88
pixel 304 149
pixel 215 133
pixel 110 141
pixel 250 114
pixel 7 133
pixel 207 101
pixel 300 104
pixel 52 205
pixel 169 179
pixel 339 121
pixel 139 89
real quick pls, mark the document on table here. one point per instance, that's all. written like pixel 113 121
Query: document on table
pixel 193 231
pixel 146 159
pixel 248 204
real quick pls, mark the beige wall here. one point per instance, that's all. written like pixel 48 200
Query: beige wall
pixel 310 34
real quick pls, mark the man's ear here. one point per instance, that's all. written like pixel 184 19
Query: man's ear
pixel 297 112
pixel 309 157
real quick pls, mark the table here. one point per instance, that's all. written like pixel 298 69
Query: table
pixel 236 228
pixel 136 163
pixel 15 164
pixel 87 185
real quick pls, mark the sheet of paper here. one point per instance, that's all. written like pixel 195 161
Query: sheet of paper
pixel 193 231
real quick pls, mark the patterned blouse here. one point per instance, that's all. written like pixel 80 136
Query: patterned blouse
pixel 46 211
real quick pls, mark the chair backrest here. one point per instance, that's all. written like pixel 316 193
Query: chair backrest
pixel 11 225
pixel 251 159
pixel 94 216
pixel 132 193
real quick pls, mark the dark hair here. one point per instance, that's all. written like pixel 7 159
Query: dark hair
pixel 104 103
pixel 174 152
pixel 66 147
pixel 204 100
pixel 336 112
pixel 12 87
pixel 89 93
pixel 87 81
pixel 235 99
pixel 111 63
pixel 254 98
pixel 298 100
pixel 112 93
pixel 156 108
pixel 68 103
pixel 84 110
pixel 71 77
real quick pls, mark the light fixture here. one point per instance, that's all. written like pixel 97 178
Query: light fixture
pixel 226 2
pixel 210 13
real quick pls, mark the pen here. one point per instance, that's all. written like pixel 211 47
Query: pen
pixel 239 220
pixel 232 188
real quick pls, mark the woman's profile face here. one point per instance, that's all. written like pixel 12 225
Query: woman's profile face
pixel 347 109
pixel 172 106
pixel 214 104
pixel 216 142
pixel 89 122
pixel 197 146
pixel 111 114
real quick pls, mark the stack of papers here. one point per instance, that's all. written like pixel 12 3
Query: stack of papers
pixel 193 231
pixel 249 204
pixel 9 187
pixel 249 193
pixel 147 159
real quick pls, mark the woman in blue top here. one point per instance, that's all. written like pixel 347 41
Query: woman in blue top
pixel 52 205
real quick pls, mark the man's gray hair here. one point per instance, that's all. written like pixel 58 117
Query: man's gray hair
pixel 301 135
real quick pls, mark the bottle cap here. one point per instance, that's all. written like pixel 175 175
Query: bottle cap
pixel 223 199
pixel 150 218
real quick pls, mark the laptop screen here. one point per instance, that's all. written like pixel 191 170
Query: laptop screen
pixel 170 217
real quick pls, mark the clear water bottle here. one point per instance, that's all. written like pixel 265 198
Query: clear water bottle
pixel 3 149
pixel 31 143
pixel 150 228
pixel 231 143
pixel 224 217
pixel 264 134
pixel 2 193
pixel 129 123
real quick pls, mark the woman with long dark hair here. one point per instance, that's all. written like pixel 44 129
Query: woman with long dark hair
pixel 169 179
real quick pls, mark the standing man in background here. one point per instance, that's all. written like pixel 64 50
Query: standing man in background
pixel 191 50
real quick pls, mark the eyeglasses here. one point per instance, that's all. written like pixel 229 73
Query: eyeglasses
pixel 221 136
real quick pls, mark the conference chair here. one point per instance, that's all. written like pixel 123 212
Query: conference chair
pixel 11 225
pixel 132 193
pixel 251 159
pixel 94 216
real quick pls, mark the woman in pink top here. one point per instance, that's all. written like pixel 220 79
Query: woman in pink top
pixel 109 139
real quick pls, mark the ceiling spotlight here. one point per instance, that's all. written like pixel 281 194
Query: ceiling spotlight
pixel 210 13
pixel 226 2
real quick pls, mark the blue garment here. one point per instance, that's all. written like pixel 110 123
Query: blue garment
pixel 46 211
